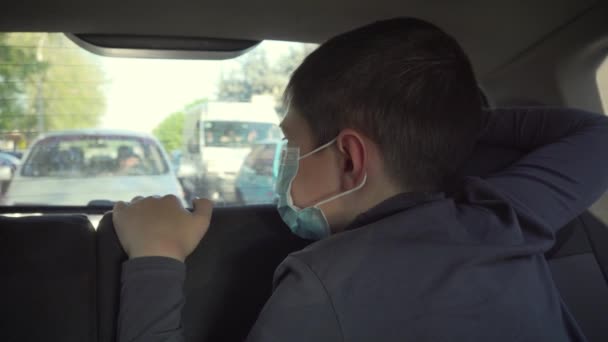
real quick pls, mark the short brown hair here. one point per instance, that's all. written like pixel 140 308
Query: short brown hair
pixel 406 85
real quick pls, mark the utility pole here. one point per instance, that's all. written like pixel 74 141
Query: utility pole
pixel 40 86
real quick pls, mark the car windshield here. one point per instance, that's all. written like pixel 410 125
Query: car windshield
pixel 91 128
pixel 262 159
pixel 9 158
pixel 232 134
pixel 94 156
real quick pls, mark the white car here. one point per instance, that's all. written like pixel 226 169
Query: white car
pixel 82 167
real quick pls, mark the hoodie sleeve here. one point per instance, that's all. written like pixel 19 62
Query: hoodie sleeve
pixel 300 308
pixel 151 300
pixel 564 169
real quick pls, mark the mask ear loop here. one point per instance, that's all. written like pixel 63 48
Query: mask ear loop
pixel 318 149
pixel 358 187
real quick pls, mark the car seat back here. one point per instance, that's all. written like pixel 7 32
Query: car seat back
pixel 48 281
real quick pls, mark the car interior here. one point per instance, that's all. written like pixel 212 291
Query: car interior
pixel 61 271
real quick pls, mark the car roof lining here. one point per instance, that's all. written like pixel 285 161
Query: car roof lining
pixel 492 32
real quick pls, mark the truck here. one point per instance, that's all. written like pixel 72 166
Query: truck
pixel 217 138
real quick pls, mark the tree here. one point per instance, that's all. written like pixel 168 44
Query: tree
pixel 19 66
pixel 71 87
pixel 55 85
pixel 253 77
pixel 288 63
pixel 256 76
pixel 195 103
pixel 170 131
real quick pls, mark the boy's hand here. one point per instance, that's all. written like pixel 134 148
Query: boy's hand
pixel 160 226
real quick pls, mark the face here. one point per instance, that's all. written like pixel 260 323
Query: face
pixel 350 167
pixel 318 175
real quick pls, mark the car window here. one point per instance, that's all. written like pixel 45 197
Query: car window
pixel 600 208
pixel 227 133
pixel 602 83
pixel 262 159
pixel 94 156
pixel 9 159
pixel 118 127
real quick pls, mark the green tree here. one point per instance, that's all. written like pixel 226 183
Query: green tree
pixel 18 67
pixel 55 84
pixel 256 75
pixel 195 103
pixel 71 86
pixel 253 77
pixel 288 62
pixel 170 131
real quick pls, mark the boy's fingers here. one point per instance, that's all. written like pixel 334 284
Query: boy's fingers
pixel 203 208
pixel 116 211
pixel 137 198
pixel 119 206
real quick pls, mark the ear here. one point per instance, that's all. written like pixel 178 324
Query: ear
pixel 353 161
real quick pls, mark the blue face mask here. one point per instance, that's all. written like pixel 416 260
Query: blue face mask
pixel 308 223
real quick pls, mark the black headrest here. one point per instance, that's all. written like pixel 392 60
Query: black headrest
pixel 229 274
pixel 47 287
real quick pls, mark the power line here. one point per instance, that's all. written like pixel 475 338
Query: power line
pixel 53 64
pixel 23 115
pixel 58 82
pixel 54 47
pixel 55 98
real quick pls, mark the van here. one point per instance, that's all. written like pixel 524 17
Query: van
pixel 217 137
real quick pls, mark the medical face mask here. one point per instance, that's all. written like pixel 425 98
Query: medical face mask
pixel 308 223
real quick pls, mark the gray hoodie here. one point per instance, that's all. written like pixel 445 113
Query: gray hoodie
pixel 424 267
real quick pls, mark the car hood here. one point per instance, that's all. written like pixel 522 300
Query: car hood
pixel 80 191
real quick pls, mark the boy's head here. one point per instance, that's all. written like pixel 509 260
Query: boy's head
pixel 401 98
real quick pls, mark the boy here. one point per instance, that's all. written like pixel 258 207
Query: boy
pixel 379 121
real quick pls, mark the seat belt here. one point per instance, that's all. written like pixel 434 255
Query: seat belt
pixel 597 232
pixel 562 237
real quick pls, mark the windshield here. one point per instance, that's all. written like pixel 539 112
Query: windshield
pixel 91 128
pixel 94 156
pixel 238 134
pixel 8 158
pixel 262 159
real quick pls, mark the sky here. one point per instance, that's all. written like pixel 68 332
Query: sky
pixel 140 93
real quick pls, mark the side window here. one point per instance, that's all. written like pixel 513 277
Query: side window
pixel 261 159
pixel 602 83
pixel 265 160
pixel 253 156
pixel 600 208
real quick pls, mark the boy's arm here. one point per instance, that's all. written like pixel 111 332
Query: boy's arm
pixel 564 170
pixel 157 234
pixel 299 310
pixel 151 300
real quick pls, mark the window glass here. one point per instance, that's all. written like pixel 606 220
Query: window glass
pixel 600 208
pixel 257 179
pixel 262 159
pixel 77 128
pixel 602 82
pixel 233 134
pixel 94 156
